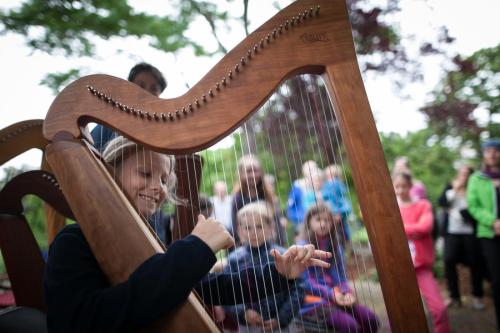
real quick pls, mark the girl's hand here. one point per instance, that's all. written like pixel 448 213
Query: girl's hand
pixel 253 318
pixel 345 299
pixel 297 258
pixel 213 234
pixel 270 325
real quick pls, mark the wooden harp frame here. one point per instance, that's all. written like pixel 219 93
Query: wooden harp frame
pixel 309 36
pixel 19 138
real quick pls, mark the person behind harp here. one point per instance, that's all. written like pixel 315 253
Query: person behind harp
pixel 79 297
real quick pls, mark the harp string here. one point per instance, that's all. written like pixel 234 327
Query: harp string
pixel 274 214
pixel 318 156
pixel 343 197
pixel 269 112
pixel 219 253
pixel 248 190
pixel 346 268
pixel 191 191
pixel 300 159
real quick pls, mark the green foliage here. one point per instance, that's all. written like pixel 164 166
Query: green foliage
pixel 34 213
pixel 61 79
pixel 431 159
pixel 69 26
pixel 473 83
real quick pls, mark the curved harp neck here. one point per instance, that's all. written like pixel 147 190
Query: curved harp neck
pixel 20 137
pixel 305 37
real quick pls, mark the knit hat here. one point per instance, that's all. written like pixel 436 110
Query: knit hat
pixel 491 143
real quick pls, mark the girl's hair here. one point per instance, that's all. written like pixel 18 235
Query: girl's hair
pixel 262 186
pixel 120 148
pixel 406 176
pixel 145 67
pixel 260 208
pixel 308 235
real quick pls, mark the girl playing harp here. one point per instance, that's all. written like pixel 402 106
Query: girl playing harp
pixel 80 298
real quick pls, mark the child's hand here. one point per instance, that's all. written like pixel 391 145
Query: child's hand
pixel 496 227
pixel 297 258
pixel 213 234
pixel 270 324
pixel 219 314
pixel 345 299
pixel 253 318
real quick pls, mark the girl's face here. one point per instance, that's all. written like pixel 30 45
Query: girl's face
pixel 491 157
pixel 253 229
pixel 144 179
pixel 250 175
pixel 321 224
pixel 402 188
pixel 463 174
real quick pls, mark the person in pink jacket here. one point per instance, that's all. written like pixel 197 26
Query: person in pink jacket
pixel 418 220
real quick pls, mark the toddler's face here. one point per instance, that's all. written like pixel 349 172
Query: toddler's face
pixel 253 229
pixel 321 224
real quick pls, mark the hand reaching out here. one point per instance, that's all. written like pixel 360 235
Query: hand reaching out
pixel 298 258
pixel 213 234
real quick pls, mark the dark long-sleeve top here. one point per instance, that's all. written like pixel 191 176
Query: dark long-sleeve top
pixel 80 299
pixel 283 306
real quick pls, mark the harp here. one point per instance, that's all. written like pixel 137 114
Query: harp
pixel 21 253
pixel 312 37
pixel 19 138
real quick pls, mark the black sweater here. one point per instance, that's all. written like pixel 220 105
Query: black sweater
pixel 80 299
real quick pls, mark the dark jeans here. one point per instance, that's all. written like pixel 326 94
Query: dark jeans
pixel 463 249
pixel 491 254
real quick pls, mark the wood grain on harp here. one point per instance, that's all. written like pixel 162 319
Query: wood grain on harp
pixel 318 40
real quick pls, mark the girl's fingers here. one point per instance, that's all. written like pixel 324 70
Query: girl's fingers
pixel 201 218
pixel 317 263
pixel 322 254
pixel 309 249
pixel 301 253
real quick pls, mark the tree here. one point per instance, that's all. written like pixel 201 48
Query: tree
pixel 471 84
pixel 432 159
pixel 72 28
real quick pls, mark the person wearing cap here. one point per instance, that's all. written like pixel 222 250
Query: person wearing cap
pixel 483 199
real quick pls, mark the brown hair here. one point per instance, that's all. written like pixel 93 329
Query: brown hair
pixel 308 235
pixel 405 175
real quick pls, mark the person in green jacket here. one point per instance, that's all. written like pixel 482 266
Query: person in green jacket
pixel 483 200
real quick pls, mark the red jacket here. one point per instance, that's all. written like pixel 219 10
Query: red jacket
pixel 418 221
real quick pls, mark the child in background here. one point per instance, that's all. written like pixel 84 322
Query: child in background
pixel 78 294
pixel 418 220
pixel 274 312
pixel 335 193
pixel 332 297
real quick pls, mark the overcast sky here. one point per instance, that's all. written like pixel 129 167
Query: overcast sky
pixel 474 24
